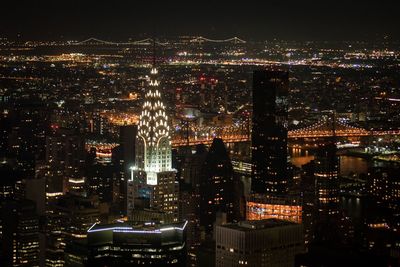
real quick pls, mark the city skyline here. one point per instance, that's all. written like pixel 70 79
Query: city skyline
pixel 202 135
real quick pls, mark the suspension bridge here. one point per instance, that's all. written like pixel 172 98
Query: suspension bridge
pixel 202 39
pixel 149 41
pixel 241 133
pixel 95 41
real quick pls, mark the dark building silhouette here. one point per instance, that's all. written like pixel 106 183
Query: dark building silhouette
pixel 101 181
pixel 19 233
pixel 68 219
pixel 127 141
pixel 11 179
pixel 65 150
pixel 327 193
pixel 189 198
pixel 269 132
pixel 65 157
pixel 117 161
pixel 123 158
pixel 23 130
pixel 384 185
pixel 217 186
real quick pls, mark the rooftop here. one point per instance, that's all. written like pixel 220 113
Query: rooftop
pixel 137 227
pixel 261 224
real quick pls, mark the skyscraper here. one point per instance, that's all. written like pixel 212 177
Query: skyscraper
pixel 384 185
pixel 154 140
pixel 153 154
pixel 20 238
pixel 327 193
pixel 217 190
pixel 127 140
pixel 269 132
pixel 65 155
pixel 190 198
pixel 68 218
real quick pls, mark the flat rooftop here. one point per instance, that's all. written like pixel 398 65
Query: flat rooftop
pixel 137 227
pixel 256 225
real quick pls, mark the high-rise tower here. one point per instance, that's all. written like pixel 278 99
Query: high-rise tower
pixel 327 194
pixel 269 132
pixel 217 186
pixel 154 140
pixel 153 155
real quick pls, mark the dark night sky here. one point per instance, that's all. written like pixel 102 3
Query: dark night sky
pixel 255 19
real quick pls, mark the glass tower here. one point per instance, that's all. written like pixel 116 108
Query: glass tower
pixel 269 132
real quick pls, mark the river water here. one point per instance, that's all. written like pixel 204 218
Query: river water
pixel 353 206
pixel 348 164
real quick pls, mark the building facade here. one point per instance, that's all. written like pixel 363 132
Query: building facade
pixel 288 208
pixel 144 244
pixel 327 194
pixel 153 173
pixel 258 243
pixel 269 132
pixel 217 190
pixel 20 233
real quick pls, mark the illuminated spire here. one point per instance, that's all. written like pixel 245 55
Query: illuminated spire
pixel 154 132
